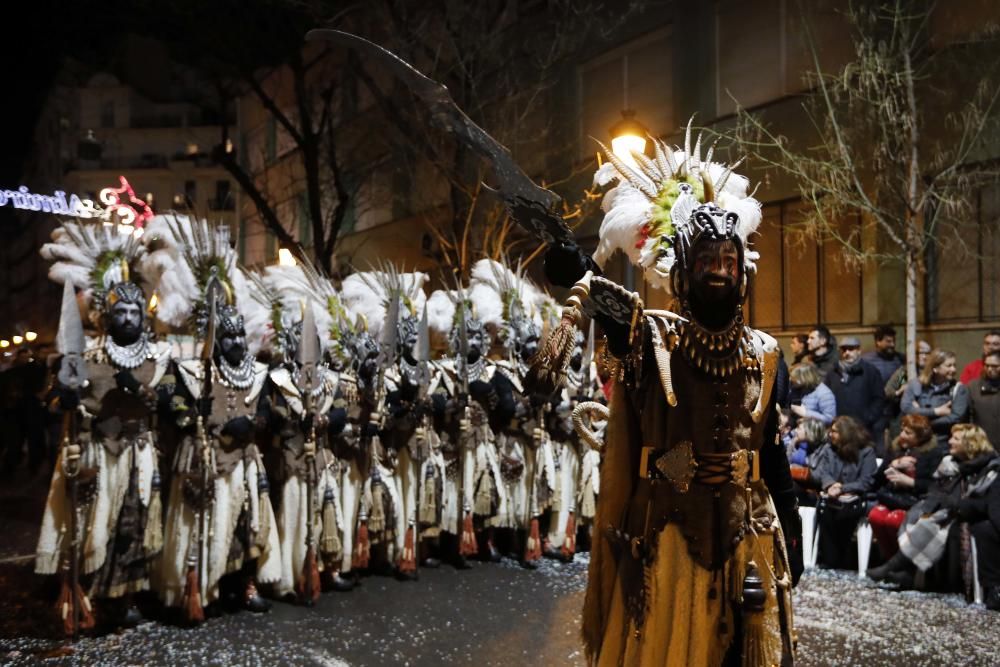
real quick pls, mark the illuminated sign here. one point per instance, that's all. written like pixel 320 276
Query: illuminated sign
pixel 119 202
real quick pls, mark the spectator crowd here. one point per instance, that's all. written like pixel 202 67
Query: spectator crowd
pixel 907 463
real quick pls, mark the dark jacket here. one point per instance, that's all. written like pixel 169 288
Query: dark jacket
pixel 928 459
pixel 854 477
pixel 933 396
pixel 860 393
pixel 985 408
pixel 826 362
pixel 886 366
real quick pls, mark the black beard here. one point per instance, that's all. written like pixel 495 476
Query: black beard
pixel 473 355
pixel 234 355
pixel 125 334
pixel 712 307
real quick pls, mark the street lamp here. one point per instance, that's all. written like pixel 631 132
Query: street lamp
pixel 285 257
pixel 628 135
pixel 17 340
pixel 30 336
pixel 4 343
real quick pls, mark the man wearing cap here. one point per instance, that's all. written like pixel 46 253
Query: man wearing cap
pixel 858 388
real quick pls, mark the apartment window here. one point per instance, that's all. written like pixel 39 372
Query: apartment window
pixel 637 76
pixel 108 114
pixel 223 200
pixel 963 270
pixel 802 280
pixel 190 193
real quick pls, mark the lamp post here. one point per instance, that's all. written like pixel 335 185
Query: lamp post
pixel 628 135
pixel 285 257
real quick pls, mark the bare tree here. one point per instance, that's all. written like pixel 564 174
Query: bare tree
pixel 880 151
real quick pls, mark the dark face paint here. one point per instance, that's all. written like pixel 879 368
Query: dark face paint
pixel 126 322
pixel 233 346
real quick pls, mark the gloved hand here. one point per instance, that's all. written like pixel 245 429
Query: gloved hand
pixel 566 264
pixel 791 526
pixel 239 428
pixel 68 399
pixel 126 381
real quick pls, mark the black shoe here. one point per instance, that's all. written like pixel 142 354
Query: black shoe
pixel 552 552
pixel 992 598
pixel 528 564
pixel 461 563
pixel 897 562
pixel 902 578
pixel 493 555
pixel 253 602
pixel 431 563
pixel 407 576
pixel 132 617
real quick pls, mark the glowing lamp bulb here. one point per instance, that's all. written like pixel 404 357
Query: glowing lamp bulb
pixel 153 301
pixel 624 145
pixel 17 340
pixel 285 257
pixel 628 135
pixel 4 343
pixel 30 336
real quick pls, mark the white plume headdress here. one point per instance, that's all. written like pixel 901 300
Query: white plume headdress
pixel 183 252
pixel 95 257
pixel 648 215
pixel 367 294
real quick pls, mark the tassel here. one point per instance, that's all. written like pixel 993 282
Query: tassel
pixel 64 605
pixel 310 570
pixel 533 551
pixel 191 602
pixel 549 365
pixel 569 544
pixel 152 541
pixel 330 542
pixel 362 549
pixel 376 517
pixel 408 561
pixel 484 494
pixel 468 546
pixel 754 599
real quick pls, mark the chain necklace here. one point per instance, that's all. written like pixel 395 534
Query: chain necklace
pixel 321 375
pixel 718 353
pixel 128 356
pixel 410 371
pixel 476 369
pixel 240 376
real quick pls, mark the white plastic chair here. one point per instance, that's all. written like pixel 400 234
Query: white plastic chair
pixel 810 536
pixel 977 589
pixel 864 545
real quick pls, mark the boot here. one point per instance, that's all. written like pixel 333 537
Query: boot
pixel 902 578
pixel 132 617
pixel 881 573
pixel 252 600
pixel 992 598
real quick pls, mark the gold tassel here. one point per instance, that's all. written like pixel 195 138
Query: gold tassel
pixel 330 543
pixel 754 602
pixel 428 504
pixel 484 495
pixel 376 516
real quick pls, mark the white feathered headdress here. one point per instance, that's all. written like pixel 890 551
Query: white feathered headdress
pixel 182 254
pixel 95 257
pixel 367 294
pixel 648 214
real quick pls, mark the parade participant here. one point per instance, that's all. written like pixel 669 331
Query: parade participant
pixel 381 524
pixel 694 570
pixel 219 517
pixel 465 377
pixel 593 435
pixel 295 405
pixel 405 379
pixel 103 514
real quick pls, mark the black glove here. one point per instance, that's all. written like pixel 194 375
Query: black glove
pixel 565 264
pixel 336 420
pixel 125 380
pixel 791 526
pixel 239 428
pixel 68 399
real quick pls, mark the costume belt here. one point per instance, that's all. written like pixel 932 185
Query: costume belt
pixel 681 465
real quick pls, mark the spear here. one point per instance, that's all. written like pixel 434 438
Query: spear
pixel 308 358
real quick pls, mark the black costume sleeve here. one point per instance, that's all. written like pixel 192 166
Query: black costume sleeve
pixel 336 421
pixel 782 385
pixel 565 264
pixel 777 475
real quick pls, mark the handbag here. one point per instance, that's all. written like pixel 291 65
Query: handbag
pixel 895 501
pixel 848 507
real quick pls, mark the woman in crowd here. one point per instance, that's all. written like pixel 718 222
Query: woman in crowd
pixel 963 476
pixel 808 439
pixel 818 401
pixel 903 478
pixel 937 395
pixel 844 470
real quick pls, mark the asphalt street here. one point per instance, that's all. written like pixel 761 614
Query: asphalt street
pixel 493 614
